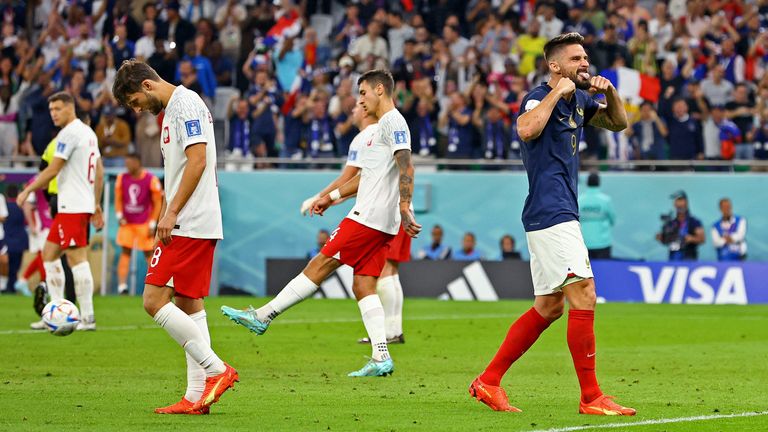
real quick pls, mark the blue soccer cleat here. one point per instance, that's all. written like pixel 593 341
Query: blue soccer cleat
pixel 375 368
pixel 246 318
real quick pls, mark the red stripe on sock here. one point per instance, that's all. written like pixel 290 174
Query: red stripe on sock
pixel 521 336
pixel 581 342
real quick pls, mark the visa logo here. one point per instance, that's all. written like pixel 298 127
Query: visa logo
pixel 699 285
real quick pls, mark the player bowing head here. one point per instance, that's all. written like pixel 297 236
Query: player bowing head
pixel 373 87
pixel 136 86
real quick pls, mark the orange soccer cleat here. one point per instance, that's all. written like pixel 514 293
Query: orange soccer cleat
pixel 215 386
pixel 182 407
pixel 604 405
pixel 493 396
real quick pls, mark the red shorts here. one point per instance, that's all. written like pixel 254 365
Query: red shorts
pixel 70 230
pixel 184 265
pixel 400 248
pixel 358 246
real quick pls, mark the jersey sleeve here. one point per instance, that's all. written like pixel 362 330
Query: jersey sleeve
pixel 531 100
pixel 353 157
pixel 396 134
pixel 189 124
pixel 3 207
pixel 65 145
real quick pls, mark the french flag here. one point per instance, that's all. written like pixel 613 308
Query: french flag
pixel 633 85
pixel 288 25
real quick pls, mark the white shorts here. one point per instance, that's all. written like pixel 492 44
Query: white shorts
pixel 37 241
pixel 558 257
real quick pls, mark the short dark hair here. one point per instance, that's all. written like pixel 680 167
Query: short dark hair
pixel 593 180
pixel 471 234
pixel 722 200
pixel 62 96
pixel 12 190
pixel 558 42
pixel 376 77
pixel 507 236
pixel 129 78
pixel 133 155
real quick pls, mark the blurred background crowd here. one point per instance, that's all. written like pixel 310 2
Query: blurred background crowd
pixel 280 76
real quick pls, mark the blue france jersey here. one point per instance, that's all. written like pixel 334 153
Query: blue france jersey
pixel 552 160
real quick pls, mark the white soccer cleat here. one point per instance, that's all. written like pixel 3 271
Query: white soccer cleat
pixel 85 326
pixel 38 325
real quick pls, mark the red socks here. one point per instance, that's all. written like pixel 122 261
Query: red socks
pixel 35 266
pixel 521 336
pixel 581 342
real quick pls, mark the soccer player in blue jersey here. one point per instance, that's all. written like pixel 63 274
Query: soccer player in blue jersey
pixel 550 127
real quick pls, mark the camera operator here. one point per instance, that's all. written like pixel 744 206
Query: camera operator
pixel 681 232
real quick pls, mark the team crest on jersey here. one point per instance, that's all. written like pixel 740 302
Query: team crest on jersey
pixel 193 128
pixel 166 135
pixel 401 137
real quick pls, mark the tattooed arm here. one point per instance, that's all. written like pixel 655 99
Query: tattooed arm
pixel 403 159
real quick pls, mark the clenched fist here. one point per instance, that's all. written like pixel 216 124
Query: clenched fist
pixel 599 84
pixel 565 87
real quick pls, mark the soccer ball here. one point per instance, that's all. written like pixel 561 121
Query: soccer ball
pixel 61 317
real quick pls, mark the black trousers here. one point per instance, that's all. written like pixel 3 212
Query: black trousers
pixel 604 253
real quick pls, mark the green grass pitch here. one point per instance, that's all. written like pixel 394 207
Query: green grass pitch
pixel 668 361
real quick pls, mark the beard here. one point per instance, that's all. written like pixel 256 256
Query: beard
pixel 582 82
pixel 153 104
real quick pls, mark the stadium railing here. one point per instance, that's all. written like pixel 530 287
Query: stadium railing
pixel 26 162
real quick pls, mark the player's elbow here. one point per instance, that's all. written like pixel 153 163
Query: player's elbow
pixel 527 132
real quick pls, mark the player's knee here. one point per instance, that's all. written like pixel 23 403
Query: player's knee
pixel 554 312
pixel 587 295
pixel 152 303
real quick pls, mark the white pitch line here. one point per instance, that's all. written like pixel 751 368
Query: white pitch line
pixel 283 322
pixel 655 422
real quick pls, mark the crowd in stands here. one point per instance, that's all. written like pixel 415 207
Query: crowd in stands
pixel 280 76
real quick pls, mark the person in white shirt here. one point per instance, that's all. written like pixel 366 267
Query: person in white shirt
pixel 729 234
pixel 388 287
pixel 384 189
pixel 189 228
pixel 77 163
pixel 145 46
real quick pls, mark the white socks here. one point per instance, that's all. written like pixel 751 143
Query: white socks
pixel 3 282
pixel 186 333
pixel 195 373
pixel 81 274
pixel 298 289
pixel 373 319
pixel 391 294
pixel 54 278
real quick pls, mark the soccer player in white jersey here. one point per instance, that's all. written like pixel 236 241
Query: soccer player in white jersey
pixel 384 189
pixel 189 227
pixel 388 285
pixel 77 163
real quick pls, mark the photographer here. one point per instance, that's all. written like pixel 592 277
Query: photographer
pixel 681 232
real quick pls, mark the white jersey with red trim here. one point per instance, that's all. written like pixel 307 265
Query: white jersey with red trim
pixel 77 144
pixel 187 122
pixel 378 195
